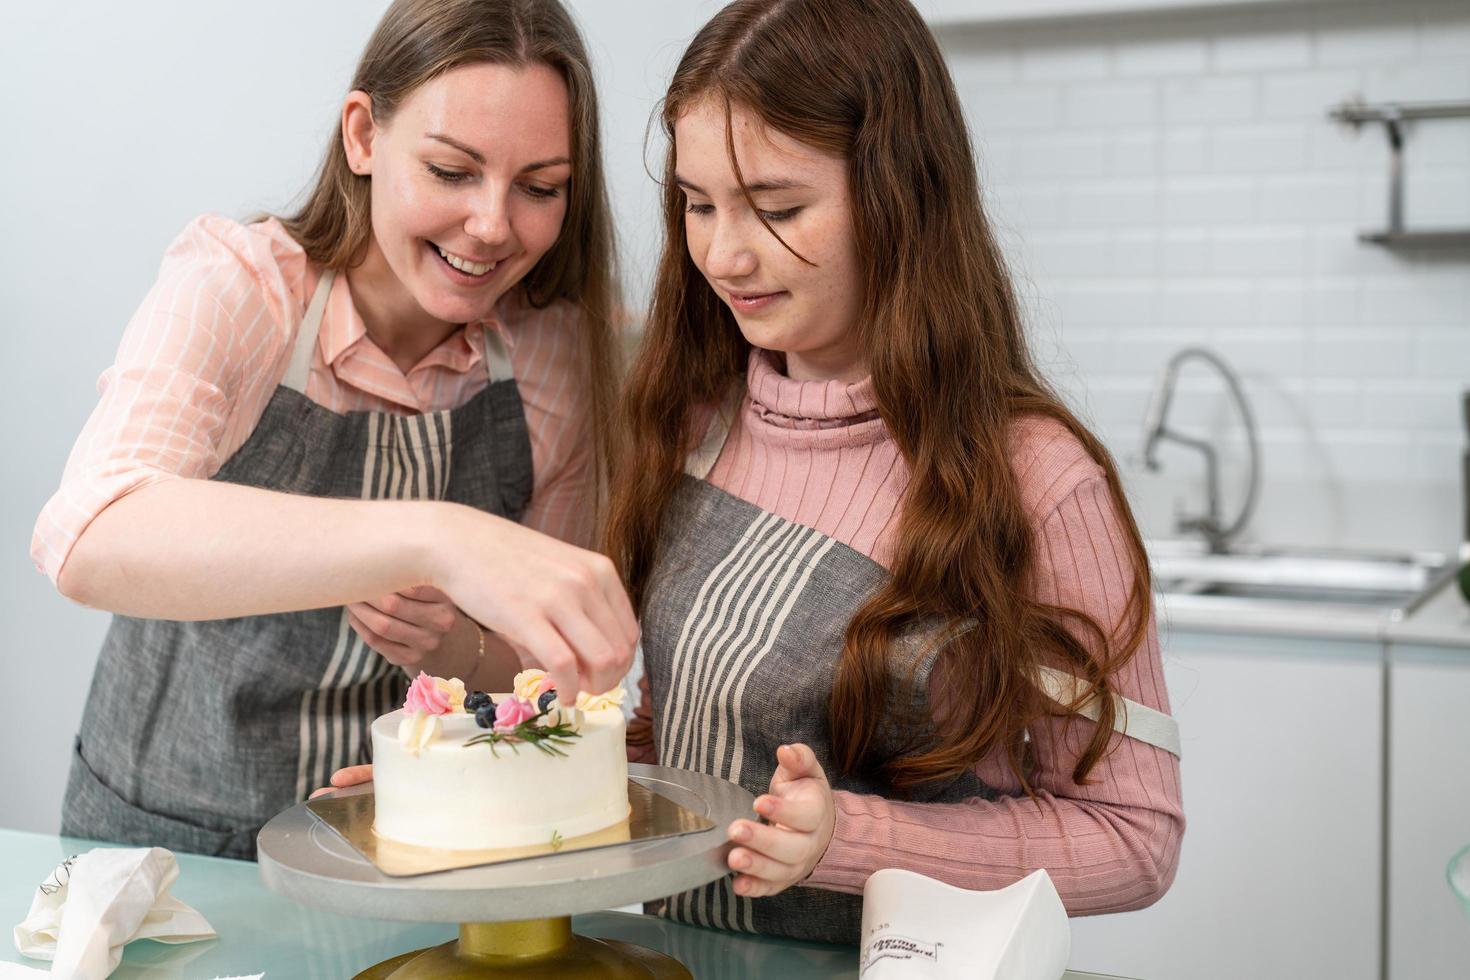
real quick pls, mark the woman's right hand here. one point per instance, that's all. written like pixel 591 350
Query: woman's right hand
pixel 343 778
pixel 557 605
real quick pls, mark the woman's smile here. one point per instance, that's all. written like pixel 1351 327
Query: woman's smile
pixel 462 270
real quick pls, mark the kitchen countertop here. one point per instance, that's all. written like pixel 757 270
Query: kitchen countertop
pixel 1305 619
pixel 1444 620
pixel 260 931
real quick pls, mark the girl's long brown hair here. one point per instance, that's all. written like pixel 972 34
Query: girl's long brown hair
pixel 419 40
pixel 944 340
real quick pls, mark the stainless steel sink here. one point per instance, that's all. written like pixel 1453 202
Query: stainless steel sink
pixel 1391 583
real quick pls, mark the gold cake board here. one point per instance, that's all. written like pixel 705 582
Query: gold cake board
pixel 650 816
pixel 533 949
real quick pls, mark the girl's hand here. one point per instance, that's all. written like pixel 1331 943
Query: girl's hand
pixel 343 778
pixel 557 605
pixel 774 856
pixel 410 628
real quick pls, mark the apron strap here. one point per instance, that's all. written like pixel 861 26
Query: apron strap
pixel 704 456
pixel 497 358
pixel 1129 717
pixel 311 324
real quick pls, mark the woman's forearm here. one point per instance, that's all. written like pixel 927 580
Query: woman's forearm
pixel 196 549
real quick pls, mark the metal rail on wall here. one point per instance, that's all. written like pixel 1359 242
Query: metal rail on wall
pixel 1393 116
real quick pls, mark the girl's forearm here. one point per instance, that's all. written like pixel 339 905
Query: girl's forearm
pixel 491 672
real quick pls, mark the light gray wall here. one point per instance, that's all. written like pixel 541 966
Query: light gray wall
pixel 121 123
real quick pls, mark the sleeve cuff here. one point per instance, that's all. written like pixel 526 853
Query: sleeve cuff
pixel 835 871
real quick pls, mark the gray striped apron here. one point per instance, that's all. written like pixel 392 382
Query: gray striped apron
pixel 197 733
pixel 742 629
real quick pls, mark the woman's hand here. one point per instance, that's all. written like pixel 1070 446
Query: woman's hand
pixel 772 857
pixel 411 629
pixel 343 778
pixel 557 605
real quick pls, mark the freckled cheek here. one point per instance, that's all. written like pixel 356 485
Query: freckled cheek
pixel 413 211
pixel 698 244
pixel 539 227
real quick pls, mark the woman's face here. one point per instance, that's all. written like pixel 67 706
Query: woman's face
pixel 808 311
pixel 469 185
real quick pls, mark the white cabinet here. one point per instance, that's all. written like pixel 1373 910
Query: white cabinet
pixel 1429 809
pixel 1279 875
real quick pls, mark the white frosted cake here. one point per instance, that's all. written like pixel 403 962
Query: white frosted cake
pixel 520 770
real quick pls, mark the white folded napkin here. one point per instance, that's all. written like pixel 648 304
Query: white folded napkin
pixel 96 903
pixel 916 928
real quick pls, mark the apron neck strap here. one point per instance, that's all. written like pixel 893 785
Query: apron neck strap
pixel 311 325
pixel 702 459
pixel 497 359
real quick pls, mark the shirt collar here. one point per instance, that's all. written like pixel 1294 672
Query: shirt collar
pixel 343 329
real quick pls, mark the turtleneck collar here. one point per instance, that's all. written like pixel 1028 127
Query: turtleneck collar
pixel 788 410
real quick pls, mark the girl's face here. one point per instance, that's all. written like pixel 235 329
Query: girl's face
pixel 808 311
pixel 469 186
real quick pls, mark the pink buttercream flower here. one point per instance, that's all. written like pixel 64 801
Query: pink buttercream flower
pixel 511 712
pixel 426 694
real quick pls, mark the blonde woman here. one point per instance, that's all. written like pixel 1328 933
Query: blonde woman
pixel 354 442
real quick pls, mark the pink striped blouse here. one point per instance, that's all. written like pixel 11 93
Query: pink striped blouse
pixel 817 453
pixel 206 350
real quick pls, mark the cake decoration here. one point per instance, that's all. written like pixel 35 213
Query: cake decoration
pixel 550 736
pixel 531 684
pixel 596 702
pixel 435 785
pixel 537 687
pixel 512 712
pixel 435 695
pixel 416 731
pixel 533 714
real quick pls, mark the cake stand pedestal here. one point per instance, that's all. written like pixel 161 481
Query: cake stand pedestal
pixel 515 918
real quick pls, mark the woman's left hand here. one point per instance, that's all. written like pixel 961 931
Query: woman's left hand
pixel 772 857
pixel 411 629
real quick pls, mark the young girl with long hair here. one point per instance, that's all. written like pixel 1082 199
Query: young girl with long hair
pixel 353 442
pixel 885 578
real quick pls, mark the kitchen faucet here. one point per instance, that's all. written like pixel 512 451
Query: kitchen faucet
pixel 1155 431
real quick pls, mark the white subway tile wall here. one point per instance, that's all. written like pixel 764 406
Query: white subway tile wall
pixel 1177 181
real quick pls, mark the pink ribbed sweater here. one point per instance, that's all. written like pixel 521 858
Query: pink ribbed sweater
pixel 818 454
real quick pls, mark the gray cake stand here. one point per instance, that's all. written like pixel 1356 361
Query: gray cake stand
pixel 515 918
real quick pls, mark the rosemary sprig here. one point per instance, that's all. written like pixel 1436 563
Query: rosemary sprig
pixel 549 739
